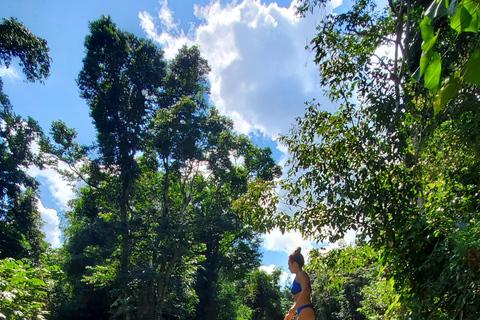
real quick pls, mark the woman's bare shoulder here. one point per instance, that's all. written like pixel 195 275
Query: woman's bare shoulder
pixel 303 277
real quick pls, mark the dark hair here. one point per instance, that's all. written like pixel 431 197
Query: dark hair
pixel 297 257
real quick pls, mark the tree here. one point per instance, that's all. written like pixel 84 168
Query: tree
pixel 262 294
pixel 18 41
pixel 231 245
pixel 20 221
pixel 374 165
pixel 120 75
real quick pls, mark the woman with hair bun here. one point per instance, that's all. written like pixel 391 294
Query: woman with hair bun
pixel 301 289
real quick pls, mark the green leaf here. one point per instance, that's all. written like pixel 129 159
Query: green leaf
pixel 424 62
pixel 473 8
pixel 472 73
pixel 432 73
pixel 447 93
pixel 426 29
pixel 37 282
pixel 461 20
pixel 428 45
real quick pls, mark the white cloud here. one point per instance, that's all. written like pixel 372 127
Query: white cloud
pixel 166 17
pixel 348 239
pixel 261 74
pixel 170 38
pixel 270 268
pixel 51 224
pixel 60 189
pixel 287 243
pixel 9 73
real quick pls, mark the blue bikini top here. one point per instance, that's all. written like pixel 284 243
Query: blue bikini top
pixel 297 287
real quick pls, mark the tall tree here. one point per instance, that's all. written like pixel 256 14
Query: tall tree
pixel 120 75
pixel 378 165
pixel 20 221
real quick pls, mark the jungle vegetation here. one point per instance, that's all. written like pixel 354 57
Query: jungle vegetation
pixel 172 202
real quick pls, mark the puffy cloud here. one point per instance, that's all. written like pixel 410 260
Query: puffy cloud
pixel 60 189
pixel 9 73
pixel 261 73
pixel 348 239
pixel 287 243
pixel 166 17
pixel 51 224
pixel 170 38
pixel 283 277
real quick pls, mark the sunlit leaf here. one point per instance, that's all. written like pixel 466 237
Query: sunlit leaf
pixel 447 93
pixel 432 73
pixel 426 29
pixel 427 46
pixel 472 73
pixel 424 62
pixel 461 20
pixel 473 8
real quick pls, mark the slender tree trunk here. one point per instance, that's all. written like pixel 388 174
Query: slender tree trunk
pixel 206 284
pixel 125 257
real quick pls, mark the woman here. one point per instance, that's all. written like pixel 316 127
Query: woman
pixel 300 289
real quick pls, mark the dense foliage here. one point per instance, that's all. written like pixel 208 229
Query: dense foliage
pixel 20 236
pixel 403 175
pixel 25 277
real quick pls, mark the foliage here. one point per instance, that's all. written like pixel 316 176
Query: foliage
pixel 262 295
pixel 464 17
pixel 384 165
pixel 18 41
pixel 24 289
pixel 20 235
pixel 339 276
pixel 380 301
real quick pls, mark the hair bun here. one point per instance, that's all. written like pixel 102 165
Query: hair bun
pixel 298 250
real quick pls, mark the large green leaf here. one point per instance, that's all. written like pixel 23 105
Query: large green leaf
pixel 432 73
pixel 426 29
pixel 428 45
pixel 473 8
pixel 425 61
pixel 472 73
pixel 461 20
pixel 446 94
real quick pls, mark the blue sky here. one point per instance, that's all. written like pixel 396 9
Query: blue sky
pixel 261 74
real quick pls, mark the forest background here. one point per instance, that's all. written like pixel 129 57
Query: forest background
pixel 244 80
pixel 173 202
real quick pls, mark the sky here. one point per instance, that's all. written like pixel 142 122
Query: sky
pixel 261 76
